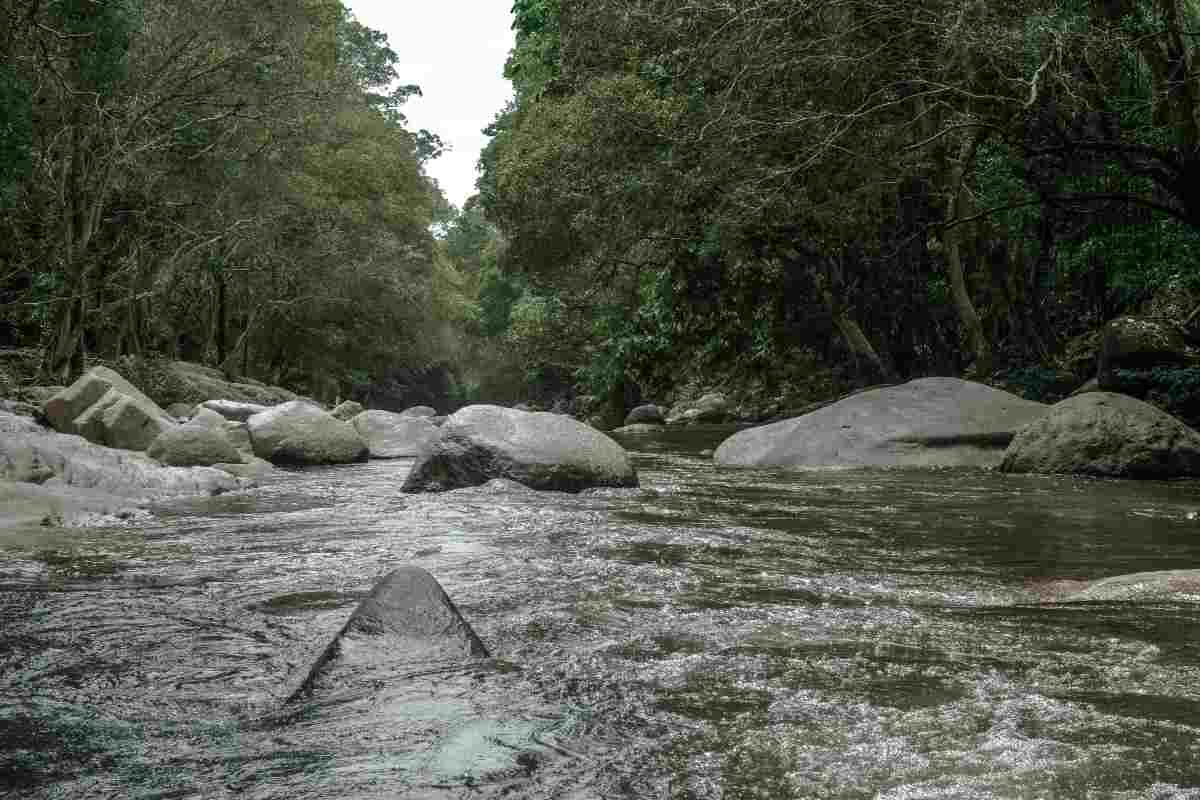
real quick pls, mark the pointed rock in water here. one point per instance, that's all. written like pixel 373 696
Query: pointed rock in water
pixel 930 422
pixel 539 450
pixel 407 618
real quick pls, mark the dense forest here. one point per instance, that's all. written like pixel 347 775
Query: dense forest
pixel 232 183
pixel 787 197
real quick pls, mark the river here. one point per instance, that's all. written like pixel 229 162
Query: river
pixel 715 634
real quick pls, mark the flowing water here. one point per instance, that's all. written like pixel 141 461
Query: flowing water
pixel 715 634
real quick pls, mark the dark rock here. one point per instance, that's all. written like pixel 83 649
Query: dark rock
pixel 390 435
pixel 922 423
pixel 420 623
pixel 1137 343
pixel 298 432
pixel 1106 435
pixel 648 414
pixel 208 383
pixel 539 450
pixel 712 407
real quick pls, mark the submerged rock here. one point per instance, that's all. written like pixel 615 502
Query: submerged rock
pixel 639 429
pixel 391 435
pixel 539 450
pixel 1105 435
pixel 298 432
pixel 923 423
pixel 1172 584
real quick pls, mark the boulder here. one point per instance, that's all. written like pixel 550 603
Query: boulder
pixel 390 435
pixel 199 443
pixel 56 460
pixel 298 432
pixel 539 450
pixel 712 407
pixel 1107 435
pixel 407 618
pixel 1171 584
pixel 648 414
pixel 923 423
pixel 346 410
pixel 233 409
pixel 420 411
pixel 106 409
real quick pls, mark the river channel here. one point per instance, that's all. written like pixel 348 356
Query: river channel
pixel 716 633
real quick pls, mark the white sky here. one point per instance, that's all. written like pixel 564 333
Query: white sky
pixel 455 51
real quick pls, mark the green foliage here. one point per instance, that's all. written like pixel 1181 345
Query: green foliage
pixel 1174 389
pixel 497 298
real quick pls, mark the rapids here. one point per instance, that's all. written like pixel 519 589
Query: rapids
pixel 715 634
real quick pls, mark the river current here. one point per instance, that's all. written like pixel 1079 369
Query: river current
pixel 714 634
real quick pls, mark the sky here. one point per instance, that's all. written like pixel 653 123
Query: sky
pixel 455 51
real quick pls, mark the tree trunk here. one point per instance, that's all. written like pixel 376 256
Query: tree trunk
pixel 956 205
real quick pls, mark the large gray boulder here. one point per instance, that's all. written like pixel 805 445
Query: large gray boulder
pixel 106 409
pixel 1106 435
pixel 420 411
pixel 930 422
pixel 539 450
pixel 63 460
pixel 298 432
pixel 391 435
pixel 200 442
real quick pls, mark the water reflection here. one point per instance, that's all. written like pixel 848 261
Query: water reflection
pixel 719 633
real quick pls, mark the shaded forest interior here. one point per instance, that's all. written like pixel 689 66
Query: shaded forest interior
pixel 781 198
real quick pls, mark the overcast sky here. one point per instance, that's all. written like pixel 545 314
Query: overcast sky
pixel 454 50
